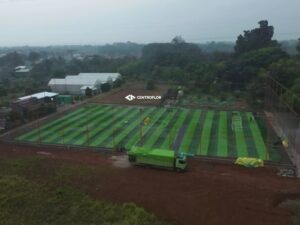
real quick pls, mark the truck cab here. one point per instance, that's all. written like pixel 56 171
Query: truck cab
pixel 181 163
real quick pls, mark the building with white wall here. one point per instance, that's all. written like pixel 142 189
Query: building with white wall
pixel 74 84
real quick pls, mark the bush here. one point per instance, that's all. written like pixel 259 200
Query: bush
pixel 88 92
pixel 150 85
pixel 35 204
pixel 118 83
pixel 105 87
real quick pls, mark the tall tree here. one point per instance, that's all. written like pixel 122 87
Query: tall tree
pixel 245 68
pixel 298 47
pixel 33 56
pixel 286 71
pixel 178 40
pixel 257 38
pixel 177 53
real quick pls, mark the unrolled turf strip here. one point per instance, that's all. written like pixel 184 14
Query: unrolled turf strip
pixel 91 122
pixel 97 134
pixel 232 149
pixel 181 131
pixel 249 138
pixel 222 135
pixel 168 143
pixel 153 128
pixel 78 131
pixel 58 133
pixel 195 144
pixel 206 132
pixel 150 129
pixel 259 142
pixel 49 125
pixel 158 130
pixel 137 137
pixel 134 128
pixel 109 131
pixel 240 143
pixel 106 123
pixel 188 136
pixel 54 131
pixel 214 136
pixel 105 140
pixel 167 129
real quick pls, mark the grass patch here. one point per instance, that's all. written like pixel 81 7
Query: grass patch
pixel 34 190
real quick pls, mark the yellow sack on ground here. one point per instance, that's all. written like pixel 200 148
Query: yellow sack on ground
pixel 285 143
pixel 249 162
pixel 146 121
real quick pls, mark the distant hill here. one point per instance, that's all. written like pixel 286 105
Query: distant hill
pixel 122 49
pixel 213 46
pixel 289 46
pixel 115 50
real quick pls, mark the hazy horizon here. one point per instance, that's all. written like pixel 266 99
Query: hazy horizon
pixel 98 22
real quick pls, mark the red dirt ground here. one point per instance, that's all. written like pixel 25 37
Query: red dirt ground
pixel 208 194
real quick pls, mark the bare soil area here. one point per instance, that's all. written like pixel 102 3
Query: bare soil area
pixel 209 193
pixel 118 96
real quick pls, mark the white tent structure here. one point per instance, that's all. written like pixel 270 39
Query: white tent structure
pixel 74 84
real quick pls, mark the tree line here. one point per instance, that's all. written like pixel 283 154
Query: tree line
pixel 254 55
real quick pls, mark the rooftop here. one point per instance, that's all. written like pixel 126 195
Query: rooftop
pixel 22 69
pixel 39 95
pixel 85 79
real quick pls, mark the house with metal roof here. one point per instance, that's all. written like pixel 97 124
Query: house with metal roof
pixel 35 105
pixel 39 95
pixel 75 84
pixel 22 69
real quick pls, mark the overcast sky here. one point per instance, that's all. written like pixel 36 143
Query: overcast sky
pixel 50 22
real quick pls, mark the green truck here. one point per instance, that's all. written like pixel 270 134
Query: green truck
pixel 160 158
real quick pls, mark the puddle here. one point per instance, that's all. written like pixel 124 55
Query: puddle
pixel 121 161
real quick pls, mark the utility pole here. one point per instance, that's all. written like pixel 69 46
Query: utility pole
pixel 87 130
pixel 39 128
pixel 141 128
pixel 114 129
pixel 63 134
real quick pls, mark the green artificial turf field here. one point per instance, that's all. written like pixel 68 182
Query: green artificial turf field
pixel 192 131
